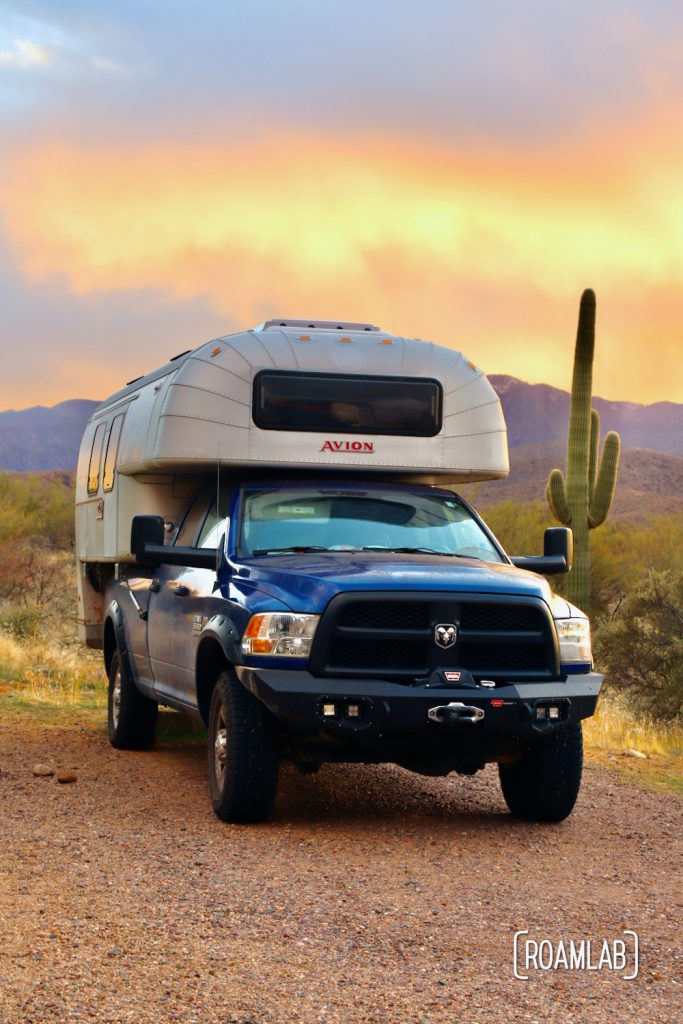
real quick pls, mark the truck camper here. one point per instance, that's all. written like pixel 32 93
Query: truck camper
pixel 268 539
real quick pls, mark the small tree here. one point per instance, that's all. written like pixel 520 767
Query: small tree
pixel 641 645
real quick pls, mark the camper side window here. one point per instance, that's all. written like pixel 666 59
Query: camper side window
pixel 112 451
pixel 95 459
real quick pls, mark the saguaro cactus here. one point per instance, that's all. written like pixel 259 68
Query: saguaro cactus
pixel 584 501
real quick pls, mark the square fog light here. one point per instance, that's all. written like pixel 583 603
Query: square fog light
pixel 353 710
pixel 329 710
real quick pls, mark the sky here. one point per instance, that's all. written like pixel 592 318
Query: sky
pixel 455 170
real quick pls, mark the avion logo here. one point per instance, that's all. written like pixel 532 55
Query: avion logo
pixel 357 447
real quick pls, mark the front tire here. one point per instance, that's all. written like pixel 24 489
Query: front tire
pixel 544 783
pixel 132 717
pixel 243 753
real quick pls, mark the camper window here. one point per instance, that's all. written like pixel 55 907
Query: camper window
pixel 347 404
pixel 95 459
pixel 112 450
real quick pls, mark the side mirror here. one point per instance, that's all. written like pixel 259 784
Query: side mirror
pixel 148 548
pixel 559 540
pixel 558 553
pixel 146 531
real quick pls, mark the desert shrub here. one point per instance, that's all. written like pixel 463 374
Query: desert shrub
pixel 519 525
pixel 37 506
pixel 22 622
pixel 38 578
pixel 640 646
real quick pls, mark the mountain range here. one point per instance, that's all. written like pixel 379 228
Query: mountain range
pixel 42 438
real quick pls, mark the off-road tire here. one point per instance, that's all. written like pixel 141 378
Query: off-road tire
pixel 132 717
pixel 243 740
pixel 544 783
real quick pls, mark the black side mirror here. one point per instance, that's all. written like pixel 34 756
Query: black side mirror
pixel 559 540
pixel 558 553
pixel 146 530
pixel 147 546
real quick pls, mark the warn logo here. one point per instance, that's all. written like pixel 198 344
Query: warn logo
pixel 356 447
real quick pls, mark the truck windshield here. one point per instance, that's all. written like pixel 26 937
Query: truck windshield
pixel 289 521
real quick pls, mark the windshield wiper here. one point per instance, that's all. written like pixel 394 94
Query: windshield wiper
pixel 420 551
pixel 408 551
pixel 297 549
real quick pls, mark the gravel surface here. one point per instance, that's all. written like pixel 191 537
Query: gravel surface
pixel 373 895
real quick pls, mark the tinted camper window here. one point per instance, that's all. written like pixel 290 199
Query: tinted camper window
pixel 112 450
pixel 347 404
pixel 95 458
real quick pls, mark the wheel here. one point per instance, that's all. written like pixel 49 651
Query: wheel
pixel 132 717
pixel 243 753
pixel 544 783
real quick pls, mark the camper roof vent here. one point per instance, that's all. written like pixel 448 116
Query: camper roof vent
pixel 319 325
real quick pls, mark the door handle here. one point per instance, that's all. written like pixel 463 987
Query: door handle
pixel 181 591
pixel 154 587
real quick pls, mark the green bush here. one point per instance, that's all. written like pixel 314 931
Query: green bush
pixel 35 506
pixel 640 646
pixel 21 622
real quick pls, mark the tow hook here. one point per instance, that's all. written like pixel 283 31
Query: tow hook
pixel 455 712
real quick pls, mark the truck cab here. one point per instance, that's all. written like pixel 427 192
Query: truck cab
pixel 311 603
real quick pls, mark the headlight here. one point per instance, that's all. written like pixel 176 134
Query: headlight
pixel 574 636
pixel 282 634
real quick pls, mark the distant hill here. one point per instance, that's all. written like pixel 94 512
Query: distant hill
pixel 43 438
pixel 536 414
pixel 649 482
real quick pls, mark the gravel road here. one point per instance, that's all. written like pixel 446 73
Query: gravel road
pixel 373 895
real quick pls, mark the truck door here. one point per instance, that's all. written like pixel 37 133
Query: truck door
pixel 166 605
pixel 194 601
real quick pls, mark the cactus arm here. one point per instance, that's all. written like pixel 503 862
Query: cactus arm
pixel 601 499
pixel 593 459
pixel 556 496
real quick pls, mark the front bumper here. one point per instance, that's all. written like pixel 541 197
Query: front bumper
pixel 395 715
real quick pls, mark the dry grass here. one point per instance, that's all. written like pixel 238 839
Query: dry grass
pixel 52 672
pixel 616 727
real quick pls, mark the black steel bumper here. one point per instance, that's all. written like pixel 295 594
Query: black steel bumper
pixel 376 712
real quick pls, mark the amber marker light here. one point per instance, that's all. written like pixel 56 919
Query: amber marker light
pixel 216 351
pixel 257 644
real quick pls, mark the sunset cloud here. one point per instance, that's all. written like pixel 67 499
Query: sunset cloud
pixel 25 54
pixel 457 172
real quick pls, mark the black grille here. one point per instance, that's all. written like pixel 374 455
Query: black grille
pixel 492 617
pixel 377 654
pixel 385 615
pixel 518 657
pixel 503 640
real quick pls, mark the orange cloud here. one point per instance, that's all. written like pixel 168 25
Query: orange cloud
pixel 486 251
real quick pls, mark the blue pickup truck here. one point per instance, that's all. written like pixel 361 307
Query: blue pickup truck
pixel 322 612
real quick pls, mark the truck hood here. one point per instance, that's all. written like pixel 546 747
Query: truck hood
pixel 308 582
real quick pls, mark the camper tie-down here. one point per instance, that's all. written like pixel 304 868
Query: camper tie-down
pixel 268 539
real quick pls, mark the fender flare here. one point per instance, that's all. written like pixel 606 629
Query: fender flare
pixel 114 615
pixel 218 646
pixel 223 630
